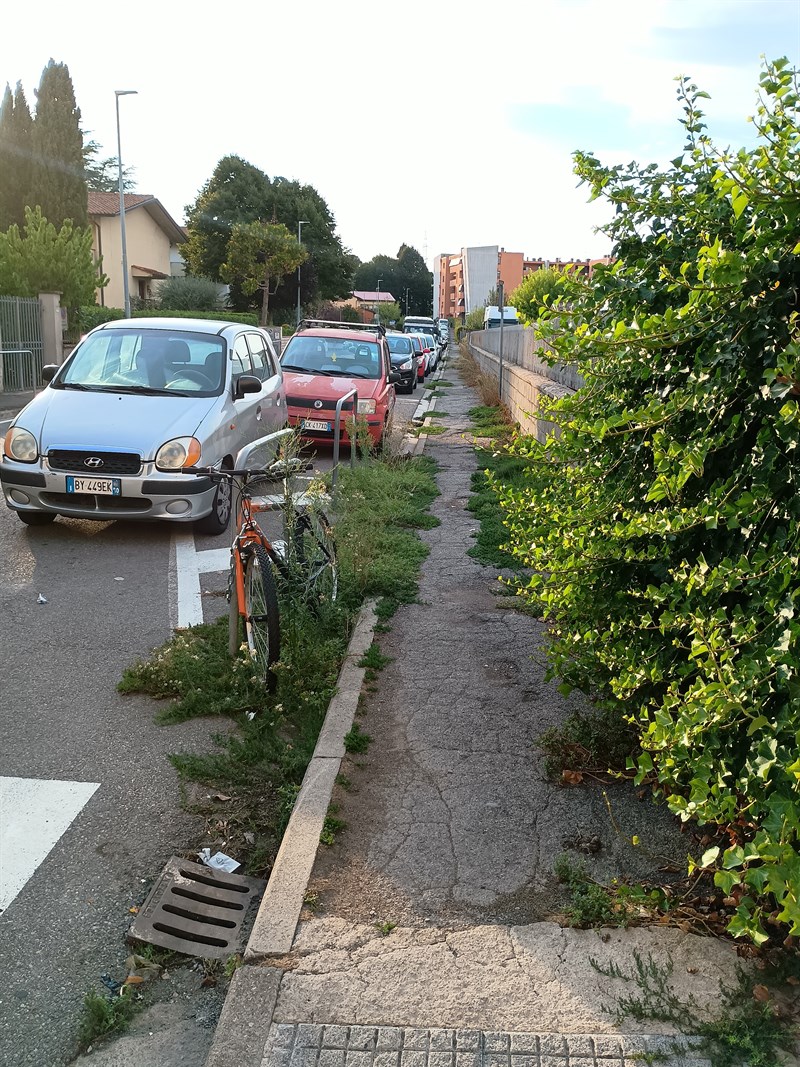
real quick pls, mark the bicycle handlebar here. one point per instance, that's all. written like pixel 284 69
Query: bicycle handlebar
pixel 279 469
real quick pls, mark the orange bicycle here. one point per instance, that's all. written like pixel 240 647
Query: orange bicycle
pixel 305 560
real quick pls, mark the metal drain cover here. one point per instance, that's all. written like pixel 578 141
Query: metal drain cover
pixel 197 910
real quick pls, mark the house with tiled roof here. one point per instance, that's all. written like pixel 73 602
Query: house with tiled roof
pixel 152 239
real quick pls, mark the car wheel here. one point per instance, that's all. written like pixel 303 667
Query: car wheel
pixel 218 521
pixel 37 518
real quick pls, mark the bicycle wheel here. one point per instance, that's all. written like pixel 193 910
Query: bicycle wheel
pixel 261 613
pixel 233 614
pixel 315 551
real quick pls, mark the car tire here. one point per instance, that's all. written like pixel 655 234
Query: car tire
pixel 218 521
pixel 37 518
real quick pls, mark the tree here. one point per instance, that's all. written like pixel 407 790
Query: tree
pixel 406 271
pixel 259 254
pixel 45 259
pixel 15 157
pixel 389 312
pixel 662 526
pixel 102 174
pixel 535 293
pixel 58 185
pixel 238 192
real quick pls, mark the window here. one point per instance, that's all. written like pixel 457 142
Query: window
pixel 262 361
pixel 240 358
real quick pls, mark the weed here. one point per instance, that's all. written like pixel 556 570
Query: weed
pixel 438 415
pixel 343 781
pixel 442 383
pixel 593 741
pixel 331 826
pixel 104 1015
pixel 356 741
pixel 374 659
pixel 232 964
pixel 311 901
pixel 591 904
pixel 749 1031
pixel 432 431
pixel 385 928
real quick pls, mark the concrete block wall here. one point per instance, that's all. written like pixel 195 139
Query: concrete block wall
pixel 522 388
pixel 523 348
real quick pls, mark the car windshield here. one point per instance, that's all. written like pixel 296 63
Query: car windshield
pixel 148 361
pixel 334 356
pixel 399 345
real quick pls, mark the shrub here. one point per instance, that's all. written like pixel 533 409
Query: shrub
pixel 189 294
pixel 89 317
pixel 663 525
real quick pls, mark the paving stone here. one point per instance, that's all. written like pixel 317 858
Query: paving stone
pixel 607 1045
pixel 525 1043
pixel 331 1057
pixel 468 1040
pixel 496 1059
pixel 530 1059
pixel 304 1056
pixel 581 1061
pixel 580 1045
pixel 279 1057
pixel 362 1039
pixel 442 1040
pixel 469 1059
pixel 441 1059
pixel 496 1042
pixel 415 1039
pixel 308 1036
pixel 335 1037
pixel 387 1058
pixel 357 1058
pixel 283 1036
pixel 413 1059
pixel 390 1037
pixel 552 1045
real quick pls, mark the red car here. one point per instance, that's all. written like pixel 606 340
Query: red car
pixel 322 362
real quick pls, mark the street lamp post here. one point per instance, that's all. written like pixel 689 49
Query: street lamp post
pixel 378 303
pixel 301 223
pixel 125 285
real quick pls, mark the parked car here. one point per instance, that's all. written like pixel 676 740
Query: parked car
pixel 433 352
pixel 404 361
pixel 420 354
pixel 323 361
pixel 137 401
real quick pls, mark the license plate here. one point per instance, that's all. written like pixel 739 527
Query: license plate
pixel 99 486
pixel 313 424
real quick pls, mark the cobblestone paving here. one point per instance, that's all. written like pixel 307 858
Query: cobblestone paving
pixel 318 1045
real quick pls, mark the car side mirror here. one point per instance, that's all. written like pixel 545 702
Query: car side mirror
pixel 246 383
pixel 394 377
pixel 49 371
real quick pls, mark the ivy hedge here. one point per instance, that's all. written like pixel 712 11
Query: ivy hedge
pixel 663 524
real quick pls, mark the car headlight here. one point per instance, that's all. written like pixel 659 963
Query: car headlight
pixel 180 452
pixel 366 407
pixel 21 445
pixel 406 365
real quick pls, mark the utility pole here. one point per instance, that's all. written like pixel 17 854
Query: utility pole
pixel 500 306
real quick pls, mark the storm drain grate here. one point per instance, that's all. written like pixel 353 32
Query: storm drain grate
pixel 197 910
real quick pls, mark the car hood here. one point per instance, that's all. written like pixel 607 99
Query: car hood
pixel 66 418
pixel 306 388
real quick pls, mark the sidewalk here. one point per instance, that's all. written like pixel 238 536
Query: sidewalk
pixel 428 937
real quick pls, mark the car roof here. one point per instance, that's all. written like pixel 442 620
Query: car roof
pixel 187 325
pixel 340 335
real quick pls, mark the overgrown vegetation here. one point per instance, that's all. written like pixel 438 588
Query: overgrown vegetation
pixel 105 1015
pixel 753 1026
pixel 661 526
pixel 254 774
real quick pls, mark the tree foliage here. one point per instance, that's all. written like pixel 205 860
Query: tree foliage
pixel 102 173
pixel 58 185
pixel 260 254
pixel 663 525
pixel 240 193
pixel 534 294
pixel 44 259
pixel 15 157
pixel 406 271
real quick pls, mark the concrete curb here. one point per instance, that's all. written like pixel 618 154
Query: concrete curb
pixel 279 911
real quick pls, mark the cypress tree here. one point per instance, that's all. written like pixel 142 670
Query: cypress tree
pixel 22 140
pixel 58 184
pixel 7 161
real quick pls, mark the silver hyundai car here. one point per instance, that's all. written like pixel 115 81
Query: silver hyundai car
pixel 137 401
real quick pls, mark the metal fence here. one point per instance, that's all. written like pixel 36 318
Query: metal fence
pixel 21 347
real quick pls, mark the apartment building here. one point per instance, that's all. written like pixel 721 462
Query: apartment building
pixel 462 281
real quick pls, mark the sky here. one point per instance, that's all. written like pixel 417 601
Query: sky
pixel 438 125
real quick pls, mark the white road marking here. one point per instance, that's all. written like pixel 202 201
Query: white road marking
pixel 190 605
pixel 213 559
pixel 34 813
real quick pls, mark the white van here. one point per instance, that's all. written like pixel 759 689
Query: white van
pixel 491 317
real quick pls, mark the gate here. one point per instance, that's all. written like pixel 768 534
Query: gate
pixel 21 348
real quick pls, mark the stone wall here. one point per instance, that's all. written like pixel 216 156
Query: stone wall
pixel 526 377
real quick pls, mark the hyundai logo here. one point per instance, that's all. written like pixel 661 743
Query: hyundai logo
pixel 93 461
pixel 317 403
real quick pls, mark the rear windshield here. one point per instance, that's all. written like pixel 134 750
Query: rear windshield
pixel 148 361
pixel 332 356
pixel 399 345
